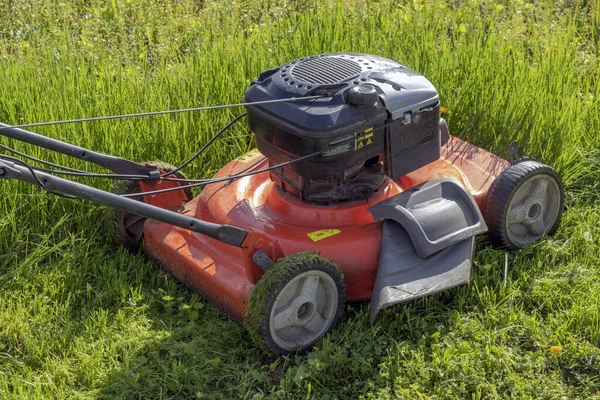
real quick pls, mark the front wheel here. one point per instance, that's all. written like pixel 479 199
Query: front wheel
pixel 297 301
pixel 524 203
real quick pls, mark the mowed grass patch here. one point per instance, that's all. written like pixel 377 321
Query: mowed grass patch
pixel 81 317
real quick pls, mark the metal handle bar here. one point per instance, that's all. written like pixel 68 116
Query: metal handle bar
pixel 115 164
pixel 223 233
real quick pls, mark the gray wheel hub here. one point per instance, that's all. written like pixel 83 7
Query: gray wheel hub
pixel 533 209
pixel 304 310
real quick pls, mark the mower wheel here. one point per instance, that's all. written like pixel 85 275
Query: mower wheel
pixel 130 227
pixel 297 301
pixel 524 203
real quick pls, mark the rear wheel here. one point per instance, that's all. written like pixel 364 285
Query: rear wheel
pixel 130 227
pixel 298 300
pixel 524 203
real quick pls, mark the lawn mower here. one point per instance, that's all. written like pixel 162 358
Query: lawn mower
pixel 356 192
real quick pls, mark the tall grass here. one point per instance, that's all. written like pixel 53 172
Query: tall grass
pixel 80 317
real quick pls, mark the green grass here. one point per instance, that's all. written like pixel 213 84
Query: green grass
pixel 82 318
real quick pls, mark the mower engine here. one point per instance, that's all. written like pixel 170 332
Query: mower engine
pixel 376 118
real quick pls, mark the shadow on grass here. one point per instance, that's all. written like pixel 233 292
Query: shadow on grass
pixel 94 320
pixel 195 351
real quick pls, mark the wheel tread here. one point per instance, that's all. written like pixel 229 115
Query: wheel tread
pixel 501 192
pixel 273 281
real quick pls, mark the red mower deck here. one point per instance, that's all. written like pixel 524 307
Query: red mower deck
pixel 282 225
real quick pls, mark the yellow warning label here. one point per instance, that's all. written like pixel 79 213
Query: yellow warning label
pixel 365 140
pixel 251 155
pixel 323 234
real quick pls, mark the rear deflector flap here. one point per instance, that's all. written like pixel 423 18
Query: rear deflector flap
pixel 403 275
pixel 427 242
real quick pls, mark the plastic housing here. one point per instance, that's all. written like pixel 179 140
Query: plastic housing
pixel 372 109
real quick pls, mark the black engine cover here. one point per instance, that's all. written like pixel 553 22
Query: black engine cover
pixel 373 109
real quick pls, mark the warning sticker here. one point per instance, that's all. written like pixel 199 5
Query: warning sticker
pixel 361 140
pixel 365 140
pixel 338 150
pixel 323 234
pixel 253 154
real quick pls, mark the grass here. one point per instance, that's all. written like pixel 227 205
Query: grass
pixel 82 318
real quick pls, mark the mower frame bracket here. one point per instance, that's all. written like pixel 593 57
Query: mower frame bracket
pixel 513 152
pixel 262 259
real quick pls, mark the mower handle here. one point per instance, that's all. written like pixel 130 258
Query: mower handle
pixel 223 233
pixel 115 164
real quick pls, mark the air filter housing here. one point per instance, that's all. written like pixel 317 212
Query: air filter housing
pixel 375 117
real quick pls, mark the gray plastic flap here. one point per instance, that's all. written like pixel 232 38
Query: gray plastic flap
pixel 403 275
pixel 436 214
